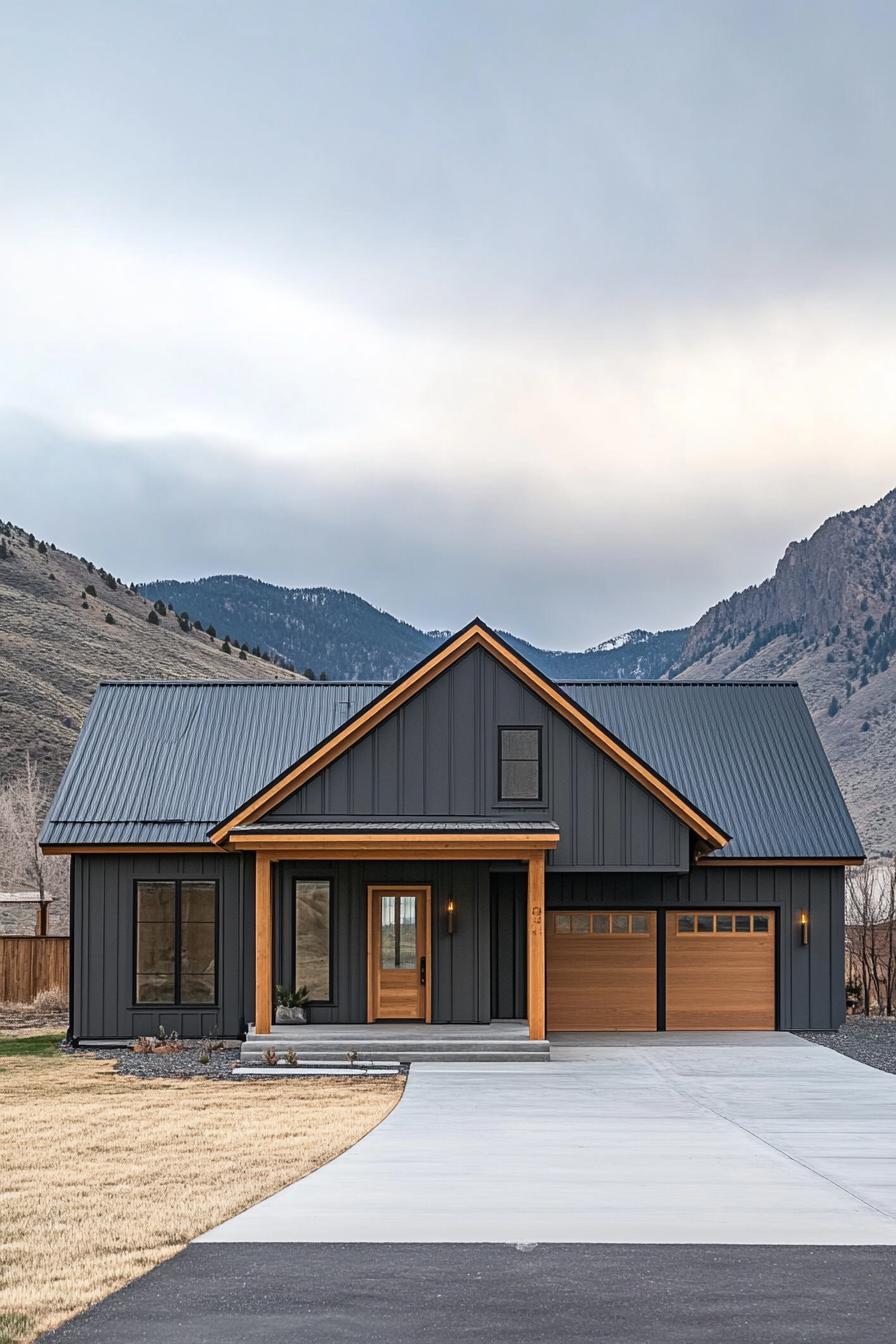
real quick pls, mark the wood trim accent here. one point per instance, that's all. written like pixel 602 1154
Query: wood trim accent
pixel 423 889
pixel 535 1005
pixel 779 863
pixel 326 845
pixel 130 849
pixel 475 635
pixel 264 983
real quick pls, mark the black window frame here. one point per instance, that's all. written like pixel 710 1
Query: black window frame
pixel 176 1002
pixel 520 728
pixel 328 880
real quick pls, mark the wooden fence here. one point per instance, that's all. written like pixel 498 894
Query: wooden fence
pixel 28 965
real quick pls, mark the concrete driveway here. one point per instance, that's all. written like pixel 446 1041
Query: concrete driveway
pixel 691 1138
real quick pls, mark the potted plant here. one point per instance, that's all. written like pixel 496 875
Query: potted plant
pixel 291 1006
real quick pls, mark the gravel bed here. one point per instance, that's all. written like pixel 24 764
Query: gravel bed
pixel 870 1040
pixel 184 1064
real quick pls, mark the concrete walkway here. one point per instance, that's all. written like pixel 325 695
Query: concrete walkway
pixel 762 1139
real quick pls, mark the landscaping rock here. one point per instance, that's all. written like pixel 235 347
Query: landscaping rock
pixel 870 1040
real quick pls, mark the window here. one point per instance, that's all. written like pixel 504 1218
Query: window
pixel 609 924
pixel 176 936
pixel 520 764
pixel 312 962
pixel 723 924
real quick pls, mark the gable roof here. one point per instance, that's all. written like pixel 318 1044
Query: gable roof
pixel 472 636
pixel 747 754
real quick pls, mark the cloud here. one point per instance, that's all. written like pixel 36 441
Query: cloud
pixel 572 323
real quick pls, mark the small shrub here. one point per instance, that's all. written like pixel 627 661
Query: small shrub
pixel 270 1056
pixel 204 1057
pixel 153 617
pixel 110 619
pixel 90 590
pixel 53 1000
pixel 86 606
pixel 144 1045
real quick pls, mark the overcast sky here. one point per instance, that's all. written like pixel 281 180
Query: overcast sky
pixel 569 315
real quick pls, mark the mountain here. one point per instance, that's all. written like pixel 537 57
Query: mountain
pixel 327 630
pixel 827 618
pixel 65 624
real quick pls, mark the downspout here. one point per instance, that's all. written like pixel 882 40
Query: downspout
pixel 69 1037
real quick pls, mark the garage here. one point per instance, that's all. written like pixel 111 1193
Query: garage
pixel 720 970
pixel 601 970
pixel 711 971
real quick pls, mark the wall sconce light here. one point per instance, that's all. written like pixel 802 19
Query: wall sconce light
pixel 449 910
pixel 804 927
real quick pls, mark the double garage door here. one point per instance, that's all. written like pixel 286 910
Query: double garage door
pixel 612 971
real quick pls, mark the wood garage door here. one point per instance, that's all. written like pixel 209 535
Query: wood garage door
pixel 601 970
pixel 720 971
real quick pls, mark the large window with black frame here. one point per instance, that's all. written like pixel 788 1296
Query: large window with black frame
pixel 175 940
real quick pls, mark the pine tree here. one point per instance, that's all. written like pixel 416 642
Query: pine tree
pixel 153 616
pixel 42 548
pixel 90 590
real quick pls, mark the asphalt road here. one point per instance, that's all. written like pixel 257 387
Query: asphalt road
pixel 439 1294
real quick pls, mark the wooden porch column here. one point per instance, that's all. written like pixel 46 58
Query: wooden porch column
pixel 535 948
pixel 264 985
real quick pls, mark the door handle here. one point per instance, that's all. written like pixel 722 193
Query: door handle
pixel 423 970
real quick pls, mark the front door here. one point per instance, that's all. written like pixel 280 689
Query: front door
pixel 398 947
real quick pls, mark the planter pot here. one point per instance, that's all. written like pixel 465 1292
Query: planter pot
pixel 290 1017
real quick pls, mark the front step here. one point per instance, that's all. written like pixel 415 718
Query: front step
pixel 410 1050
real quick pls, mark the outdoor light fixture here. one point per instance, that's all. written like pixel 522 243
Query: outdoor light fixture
pixel 449 909
pixel 804 927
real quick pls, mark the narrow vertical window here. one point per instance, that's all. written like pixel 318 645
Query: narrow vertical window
pixel 176 938
pixel 520 764
pixel 155 942
pixel 197 942
pixel 313 901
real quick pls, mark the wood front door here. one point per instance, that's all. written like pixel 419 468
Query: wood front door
pixel 398 954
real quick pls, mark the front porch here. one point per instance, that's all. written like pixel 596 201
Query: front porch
pixel 403 1042
pixel 432 999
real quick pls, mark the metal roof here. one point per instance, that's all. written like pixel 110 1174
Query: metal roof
pixel 162 762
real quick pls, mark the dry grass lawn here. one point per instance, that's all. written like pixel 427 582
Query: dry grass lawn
pixel 102 1177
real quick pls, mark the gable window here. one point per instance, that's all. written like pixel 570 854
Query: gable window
pixel 312 965
pixel 176 926
pixel 519 764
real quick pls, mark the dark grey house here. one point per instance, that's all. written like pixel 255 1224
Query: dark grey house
pixel 471 843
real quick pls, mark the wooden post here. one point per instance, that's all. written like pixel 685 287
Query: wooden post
pixel 264 987
pixel 535 947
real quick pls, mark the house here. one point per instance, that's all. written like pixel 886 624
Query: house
pixel 23 913
pixel 473 843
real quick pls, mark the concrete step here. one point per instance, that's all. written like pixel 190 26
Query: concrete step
pixel 419 1055
pixel 338 1045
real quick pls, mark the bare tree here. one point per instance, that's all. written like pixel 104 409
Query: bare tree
pixel 23 867
pixel 871 934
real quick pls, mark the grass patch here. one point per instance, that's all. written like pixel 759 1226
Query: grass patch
pixel 103 1176
pixel 30 1045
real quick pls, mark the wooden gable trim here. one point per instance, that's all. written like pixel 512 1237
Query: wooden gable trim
pixel 473 636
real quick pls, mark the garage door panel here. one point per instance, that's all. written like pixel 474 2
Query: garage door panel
pixel 601 971
pixel 720 971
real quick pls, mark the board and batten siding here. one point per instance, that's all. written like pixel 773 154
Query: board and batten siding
pixel 437 757
pixel 810 979
pixel 102 933
pixel 461 966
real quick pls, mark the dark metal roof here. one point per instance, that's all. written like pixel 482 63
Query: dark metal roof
pixel 162 762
